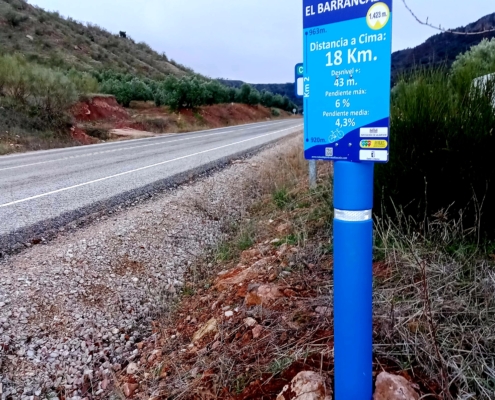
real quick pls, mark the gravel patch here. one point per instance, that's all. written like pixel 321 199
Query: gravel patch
pixel 73 310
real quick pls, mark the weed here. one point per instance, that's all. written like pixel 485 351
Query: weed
pixel 292 240
pixel 240 383
pixel 280 364
pixel 245 238
pixel 188 291
pixel 281 198
pixel 199 117
pixel 224 252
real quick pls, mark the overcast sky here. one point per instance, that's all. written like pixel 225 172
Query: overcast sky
pixel 257 41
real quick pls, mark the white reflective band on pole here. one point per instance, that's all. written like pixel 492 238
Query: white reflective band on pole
pixel 353 216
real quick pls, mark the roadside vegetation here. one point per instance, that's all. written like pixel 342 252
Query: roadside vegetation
pixel 186 92
pixel 35 103
pixel 443 130
pixel 433 267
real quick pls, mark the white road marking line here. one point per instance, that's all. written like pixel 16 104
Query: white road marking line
pixel 133 147
pixel 60 150
pixel 140 169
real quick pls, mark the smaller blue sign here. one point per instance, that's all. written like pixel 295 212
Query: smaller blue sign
pixel 298 80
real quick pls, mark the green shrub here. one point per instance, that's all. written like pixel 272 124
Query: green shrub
pixel 442 136
pixel 254 97
pixel 127 91
pixel 233 94
pixel 83 82
pixel 51 92
pixel 216 93
pixel 275 112
pixel 187 92
pixel 267 98
pixel 478 61
pixel 42 18
pixel 278 101
pixel 40 91
pixel 14 18
pixel 244 93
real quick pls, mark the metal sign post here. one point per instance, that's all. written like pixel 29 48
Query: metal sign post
pixel 346 89
pixel 313 174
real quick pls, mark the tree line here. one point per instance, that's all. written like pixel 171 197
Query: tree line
pixel 186 92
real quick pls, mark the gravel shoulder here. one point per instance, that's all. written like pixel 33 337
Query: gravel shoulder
pixel 73 310
pixel 76 184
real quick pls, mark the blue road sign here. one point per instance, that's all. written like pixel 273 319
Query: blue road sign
pixel 346 89
pixel 347 63
pixel 298 80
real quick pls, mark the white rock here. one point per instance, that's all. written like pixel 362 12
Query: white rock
pixel 250 322
pixel 306 385
pixel 393 387
pixel 132 369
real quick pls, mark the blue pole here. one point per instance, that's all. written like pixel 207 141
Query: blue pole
pixel 353 280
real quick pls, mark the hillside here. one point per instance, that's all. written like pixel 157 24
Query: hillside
pixel 48 63
pixel 47 38
pixel 439 50
pixel 443 48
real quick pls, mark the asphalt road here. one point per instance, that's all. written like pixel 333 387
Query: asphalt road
pixel 64 184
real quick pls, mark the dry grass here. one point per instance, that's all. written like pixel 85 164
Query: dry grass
pixel 21 140
pixel 435 310
pixel 276 194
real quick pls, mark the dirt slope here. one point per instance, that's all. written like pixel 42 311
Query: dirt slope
pixel 101 117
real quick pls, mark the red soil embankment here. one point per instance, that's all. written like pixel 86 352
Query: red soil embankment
pixel 103 112
pixel 220 115
pixel 99 108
